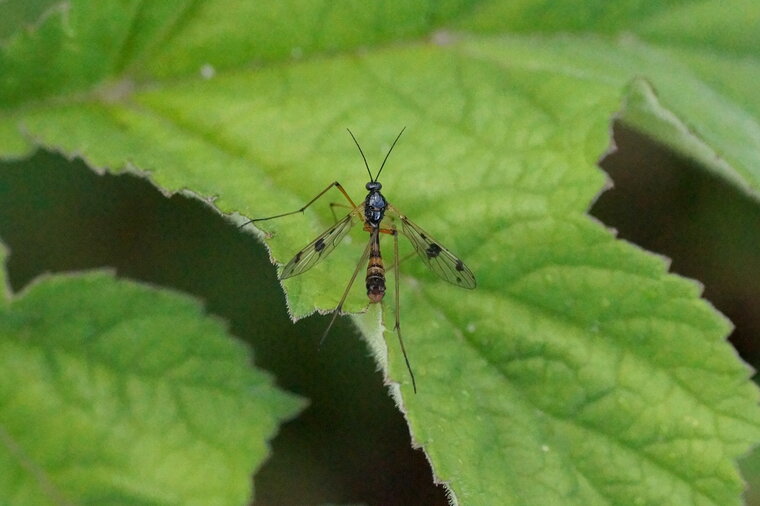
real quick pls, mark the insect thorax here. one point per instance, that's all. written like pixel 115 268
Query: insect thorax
pixel 374 208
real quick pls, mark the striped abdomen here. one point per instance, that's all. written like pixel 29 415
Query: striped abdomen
pixel 375 272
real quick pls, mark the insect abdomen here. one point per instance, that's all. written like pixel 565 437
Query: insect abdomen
pixel 375 274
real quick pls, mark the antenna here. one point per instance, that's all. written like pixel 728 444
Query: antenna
pixel 362 152
pixel 389 153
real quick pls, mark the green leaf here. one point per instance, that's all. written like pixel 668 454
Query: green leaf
pixel 700 58
pixel 579 371
pixel 750 466
pixel 16 16
pixel 590 365
pixel 116 393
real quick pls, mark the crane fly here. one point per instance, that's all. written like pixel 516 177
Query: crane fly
pixel 375 212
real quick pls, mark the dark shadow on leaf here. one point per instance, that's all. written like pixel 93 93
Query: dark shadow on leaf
pixel 350 445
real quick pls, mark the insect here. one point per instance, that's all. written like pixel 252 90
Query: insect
pixel 375 212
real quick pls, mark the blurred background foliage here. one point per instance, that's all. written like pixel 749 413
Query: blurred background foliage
pixel 57 215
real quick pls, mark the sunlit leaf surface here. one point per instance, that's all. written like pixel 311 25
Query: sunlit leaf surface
pixel 579 371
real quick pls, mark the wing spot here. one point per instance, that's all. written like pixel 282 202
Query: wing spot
pixel 319 245
pixel 459 267
pixel 297 257
pixel 433 250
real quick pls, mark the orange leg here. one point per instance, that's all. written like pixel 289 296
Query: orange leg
pixel 389 231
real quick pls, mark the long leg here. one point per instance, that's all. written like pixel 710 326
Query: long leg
pixel 337 310
pixel 334 183
pixel 333 205
pixel 397 327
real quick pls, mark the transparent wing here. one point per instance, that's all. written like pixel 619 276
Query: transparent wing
pixel 438 258
pixel 319 248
